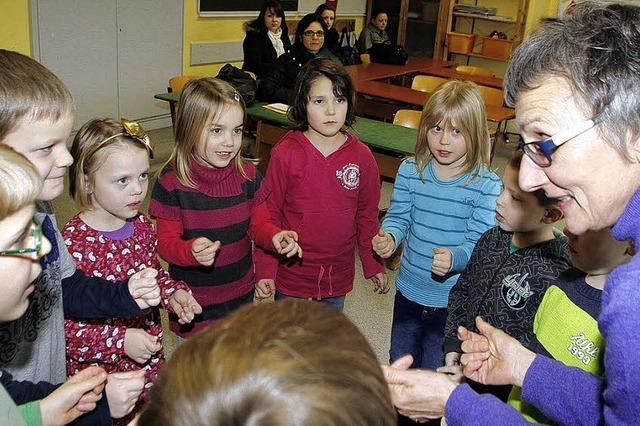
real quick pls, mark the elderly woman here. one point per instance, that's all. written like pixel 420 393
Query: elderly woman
pixel 575 84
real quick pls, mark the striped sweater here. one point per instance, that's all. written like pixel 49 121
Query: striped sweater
pixel 430 213
pixel 219 209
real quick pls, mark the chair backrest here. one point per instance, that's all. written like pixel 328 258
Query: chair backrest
pixel 427 83
pixel 491 96
pixel 177 83
pixel 471 70
pixel 365 58
pixel 407 118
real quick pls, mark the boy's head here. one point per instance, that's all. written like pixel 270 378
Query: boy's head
pixel 597 252
pixel 21 242
pixel 291 362
pixel 520 211
pixel 36 118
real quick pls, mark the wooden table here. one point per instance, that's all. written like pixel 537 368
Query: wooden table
pixel 452 74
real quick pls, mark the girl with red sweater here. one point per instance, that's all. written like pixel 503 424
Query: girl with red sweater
pixel 325 186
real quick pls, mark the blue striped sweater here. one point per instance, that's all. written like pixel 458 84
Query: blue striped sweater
pixel 430 213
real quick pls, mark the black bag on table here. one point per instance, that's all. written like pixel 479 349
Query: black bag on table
pixel 241 81
pixel 388 54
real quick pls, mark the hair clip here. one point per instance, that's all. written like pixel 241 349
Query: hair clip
pixel 236 96
pixel 134 130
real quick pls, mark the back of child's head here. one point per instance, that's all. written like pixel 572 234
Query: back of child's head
pixel 458 102
pixel 514 163
pixel 91 146
pixel 20 182
pixel 202 101
pixel 294 362
pixel 29 92
pixel 342 87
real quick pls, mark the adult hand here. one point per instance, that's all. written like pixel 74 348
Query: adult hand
pixel 286 242
pixel 204 250
pixel 380 282
pixel 493 357
pixel 140 345
pixel 144 289
pixel 441 264
pixel 123 390
pixel 78 395
pixel 185 306
pixel 383 244
pixel 265 288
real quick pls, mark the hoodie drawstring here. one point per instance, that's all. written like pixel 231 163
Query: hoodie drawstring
pixel 320 275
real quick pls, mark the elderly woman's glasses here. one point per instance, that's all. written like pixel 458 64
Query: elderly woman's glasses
pixel 309 33
pixel 540 151
pixel 32 243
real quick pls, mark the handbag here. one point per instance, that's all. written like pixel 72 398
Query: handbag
pixel 388 54
pixel 241 81
pixel 347 52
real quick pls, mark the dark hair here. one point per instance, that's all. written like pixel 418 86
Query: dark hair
pixel 276 7
pixel 321 8
pixel 378 11
pixel 595 51
pixel 304 24
pixel 342 86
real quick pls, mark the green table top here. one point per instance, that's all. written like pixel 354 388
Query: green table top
pixel 376 134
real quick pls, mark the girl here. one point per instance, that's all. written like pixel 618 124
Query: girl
pixel 203 200
pixel 443 200
pixel 325 186
pixel 109 238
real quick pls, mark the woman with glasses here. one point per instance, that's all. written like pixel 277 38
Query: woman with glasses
pixel 277 86
pixel 575 84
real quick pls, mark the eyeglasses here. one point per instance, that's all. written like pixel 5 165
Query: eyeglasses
pixel 540 151
pixel 32 243
pixel 318 34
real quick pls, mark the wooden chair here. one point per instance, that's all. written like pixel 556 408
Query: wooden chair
pixel 427 83
pixel 365 58
pixel 491 96
pixel 472 70
pixel 407 118
pixel 175 85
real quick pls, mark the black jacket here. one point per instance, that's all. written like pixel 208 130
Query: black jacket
pixel 278 84
pixel 259 53
pixel 504 288
pixel 331 40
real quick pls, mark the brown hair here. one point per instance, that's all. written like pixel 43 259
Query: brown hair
pixel 294 362
pixel 20 182
pixel 201 101
pixel 458 101
pixel 29 91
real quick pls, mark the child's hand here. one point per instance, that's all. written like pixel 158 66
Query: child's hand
pixel 204 250
pixel 381 283
pixel 286 242
pixel 143 287
pixel 140 345
pixel 123 390
pixel 383 244
pixel 265 289
pixel 452 366
pixel 442 259
pixel 185 306
pixel 76 396
pixel 451 359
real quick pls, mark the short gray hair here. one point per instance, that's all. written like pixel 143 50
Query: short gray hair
pixel 596 49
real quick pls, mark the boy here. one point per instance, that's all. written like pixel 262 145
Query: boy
pixel 510 268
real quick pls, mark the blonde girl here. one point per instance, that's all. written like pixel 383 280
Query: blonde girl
pixel 443 199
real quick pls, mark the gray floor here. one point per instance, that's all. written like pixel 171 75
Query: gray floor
pixel 369 311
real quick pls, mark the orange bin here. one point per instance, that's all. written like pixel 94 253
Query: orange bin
pixel 496 47
pixel 460 42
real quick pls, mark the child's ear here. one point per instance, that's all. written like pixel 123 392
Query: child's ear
pixel 552 214
pixel 631 249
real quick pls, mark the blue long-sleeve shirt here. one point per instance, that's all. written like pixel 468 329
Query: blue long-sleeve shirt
pixel 430 213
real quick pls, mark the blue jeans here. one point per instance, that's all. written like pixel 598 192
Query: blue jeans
pixel 335 302
pixel 417 330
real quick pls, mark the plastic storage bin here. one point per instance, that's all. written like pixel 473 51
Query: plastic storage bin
pixel 496 47
pixel 460 42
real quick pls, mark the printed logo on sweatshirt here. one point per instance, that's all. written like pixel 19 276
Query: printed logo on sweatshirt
pixel 349 176
pixel 515 291
pixel 583 348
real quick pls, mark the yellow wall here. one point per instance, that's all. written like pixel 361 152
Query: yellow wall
pixel 15 26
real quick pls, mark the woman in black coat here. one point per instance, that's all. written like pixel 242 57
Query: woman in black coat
pixel 267 38
pixel 328 15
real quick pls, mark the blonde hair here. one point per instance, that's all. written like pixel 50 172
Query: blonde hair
pixel 201 101
pixel 20 182
pixel 29 91
pixel 458 101
pixel 294 362
pixel 88 155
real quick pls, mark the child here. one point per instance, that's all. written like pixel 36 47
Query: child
pixel 293 362
pixel 36 119
pixel 510 268
pixel 203 200
pixel 110 238
pixel 326 187
pixel 566 323
pixel 443 200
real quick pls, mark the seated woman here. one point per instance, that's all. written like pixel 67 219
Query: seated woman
pixel 328 15
pixel 293 362
pixel 267 39
pixel 374 33
pixel 277 85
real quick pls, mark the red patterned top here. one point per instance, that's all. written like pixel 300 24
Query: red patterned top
pixel 102 341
